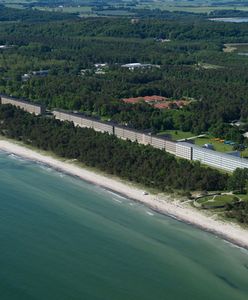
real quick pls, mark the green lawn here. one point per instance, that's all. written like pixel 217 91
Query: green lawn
pixel 218 146
pixel 219 200
pixel 177 134
pixel 193 6
pixel 224 199
pixel 244 153
pixel 204 199
pixel 243 197
pixel 68 9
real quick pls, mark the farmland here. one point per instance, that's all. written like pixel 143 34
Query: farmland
pixel 127 7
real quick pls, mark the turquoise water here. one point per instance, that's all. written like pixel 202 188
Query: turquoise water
pixel 61 238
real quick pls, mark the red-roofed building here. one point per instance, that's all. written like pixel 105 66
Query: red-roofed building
pixel 171 104
pixel 182 103
pixel 133 100
pixel 154 98
pixel 147 99
pixel 158 102
pixel 165 105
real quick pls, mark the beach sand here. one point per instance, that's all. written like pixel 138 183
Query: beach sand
pixel 159 203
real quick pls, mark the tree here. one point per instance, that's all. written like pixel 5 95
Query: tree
pixel 238 180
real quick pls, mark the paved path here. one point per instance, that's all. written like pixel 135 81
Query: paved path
pixel 192 138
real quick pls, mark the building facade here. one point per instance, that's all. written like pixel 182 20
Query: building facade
pixel 27 106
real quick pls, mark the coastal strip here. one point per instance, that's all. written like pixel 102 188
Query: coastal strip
pixel 160 203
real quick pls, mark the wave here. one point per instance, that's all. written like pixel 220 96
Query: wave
pixel 116 194
pixel 235 246
pixel 150 213
pixel 117 200
pixel 44 167
pixel 16 157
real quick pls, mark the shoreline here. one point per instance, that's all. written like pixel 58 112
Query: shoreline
pixel 162 204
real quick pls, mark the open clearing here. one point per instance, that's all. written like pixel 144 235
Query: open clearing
pixel 177 134
pixel 217 201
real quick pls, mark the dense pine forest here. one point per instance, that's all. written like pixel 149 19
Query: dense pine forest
pixel 188 51
pixel 34 16
pixel 138 163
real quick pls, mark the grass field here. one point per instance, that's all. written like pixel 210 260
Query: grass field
pixel 69 9
pixel 177 134
pixel 196 6
pixel 192 9
pixel 200 141
pixel 84 7
pixel 205 199
pixel 217 201
pixel 243 197
pixel 218 146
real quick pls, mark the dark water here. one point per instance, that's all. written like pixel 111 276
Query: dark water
pixel 61 238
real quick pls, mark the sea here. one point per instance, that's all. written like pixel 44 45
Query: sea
pixel 63 239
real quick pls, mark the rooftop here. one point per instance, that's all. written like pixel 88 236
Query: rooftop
pixel 138 65
pixel 148 99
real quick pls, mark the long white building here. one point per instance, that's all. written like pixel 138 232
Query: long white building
pixel 25 105
pixel 183 150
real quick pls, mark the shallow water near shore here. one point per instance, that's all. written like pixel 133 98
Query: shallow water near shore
pixel 62 238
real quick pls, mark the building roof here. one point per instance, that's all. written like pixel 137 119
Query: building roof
pixel 137 65
pixel 132 100
pixel 153 98
pixel 162 105
pixel 171 104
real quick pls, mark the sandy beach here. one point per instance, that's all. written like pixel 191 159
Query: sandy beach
pixel 160 203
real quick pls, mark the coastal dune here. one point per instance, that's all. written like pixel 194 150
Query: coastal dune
pixel 159 203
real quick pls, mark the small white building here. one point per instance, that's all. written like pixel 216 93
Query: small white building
pixel 133 66
pixel 237 123
pixel 100 65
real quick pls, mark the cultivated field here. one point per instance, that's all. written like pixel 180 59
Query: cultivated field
pixel 84 8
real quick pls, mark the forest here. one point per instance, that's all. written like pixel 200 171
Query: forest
pixel 238 211
pixel 192 65
pixel 137 163
pixel 34 16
